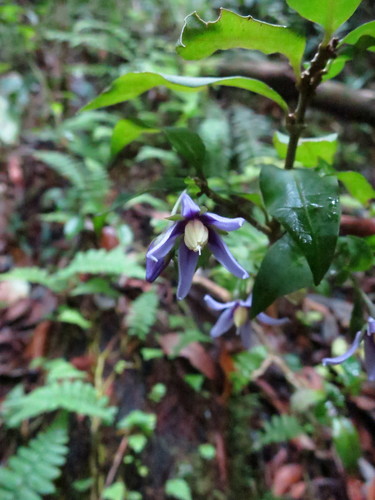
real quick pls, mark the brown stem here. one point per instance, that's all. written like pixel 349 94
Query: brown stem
pixel 235 205
pixel 310 79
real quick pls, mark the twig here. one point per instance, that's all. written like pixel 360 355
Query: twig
pixel 235 205
pixel 117 461
pixel 310 79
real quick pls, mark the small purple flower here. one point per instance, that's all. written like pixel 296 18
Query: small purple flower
pixel 198 230
pixel 236 313
pixel 368 337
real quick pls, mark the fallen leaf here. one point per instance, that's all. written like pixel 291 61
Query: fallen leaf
pixel 194 352
pixel 286 477
pixel 355 489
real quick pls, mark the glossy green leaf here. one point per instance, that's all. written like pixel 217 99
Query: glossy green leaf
pixel 200 39
pixel 187 144
pixel 284 270
pixel 307 205
pixel 357 185
pixel 364 34
pixel 127 131
pixel 331 14
pixel 309 151
pixel 132 85
pixel 346 442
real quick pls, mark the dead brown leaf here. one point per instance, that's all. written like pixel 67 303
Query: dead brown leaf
pixel 286 476
pixel 194 352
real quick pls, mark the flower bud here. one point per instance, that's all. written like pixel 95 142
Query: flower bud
pixel 240 316
pixel 196 235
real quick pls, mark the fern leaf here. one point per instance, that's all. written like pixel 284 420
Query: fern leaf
pixel 31 471
pixel 102 261
pixel 75 396
pixel 143 314
pixel 280 428
pixel 65 165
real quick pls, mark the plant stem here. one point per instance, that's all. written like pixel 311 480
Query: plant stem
pixel 235 205
pixel 310 79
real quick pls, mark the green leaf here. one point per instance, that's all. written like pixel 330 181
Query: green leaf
pixel 353 254
pixel 309 151
pixel 127 131
pixel 346 442
pixel 284 270
pixel 307 205
pixel 134 84
pixel 74 317
pixel 178 488
pixel 200 39
pixel 365 31
pixel 357 185
pixel 330 14
pixel 187 144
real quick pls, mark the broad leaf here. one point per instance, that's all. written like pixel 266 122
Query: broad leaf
pixel 132 85
pixel 307 205
pixel 353 254
pixel 127 131
pixel 357 185
pixel 187 144
pixel 284 270
pixel 331 14
pixel 310 151
pixel 200 39
pixel 364 34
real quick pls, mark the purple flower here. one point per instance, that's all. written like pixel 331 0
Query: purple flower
pixel 237 313
pixel 198 230
pixel 368 337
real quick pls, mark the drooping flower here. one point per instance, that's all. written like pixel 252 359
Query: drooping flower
pixel 368 337
pixel 237 313
pixel 196 230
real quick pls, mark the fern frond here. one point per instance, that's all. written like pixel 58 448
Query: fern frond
pixel 31 471
pixel 65 165
pixel 75 396
pixel 247 129
pixel 280 428
pixel 143 314
pixel 102 262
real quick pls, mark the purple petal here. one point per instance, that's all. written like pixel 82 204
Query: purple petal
pixel 349 352
pixel 247 302
pixel 223 255
pixel 188 207
pixel 245 333
pixel 223 324
pixel 164 243
pixel 222 223
pixel 187 262
pixel 215 305
pixel 268 320
pixel 370 356
pixel 153 269
pixel 371 325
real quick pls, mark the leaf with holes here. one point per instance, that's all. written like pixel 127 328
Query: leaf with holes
pixel 200 39
pixel 307 205
pixel 309 151
pixel 131 85
pixel 330 14
pixel 284 270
